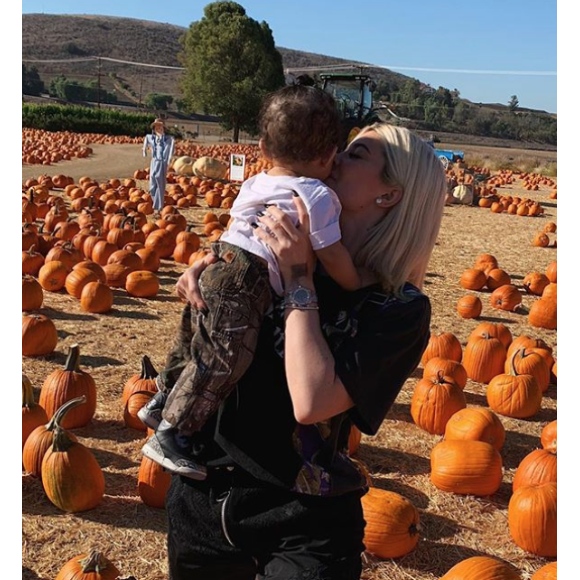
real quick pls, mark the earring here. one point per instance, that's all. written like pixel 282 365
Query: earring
pixel 379 201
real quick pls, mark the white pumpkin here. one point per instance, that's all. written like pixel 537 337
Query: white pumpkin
pixel 210 167
pixel 183 165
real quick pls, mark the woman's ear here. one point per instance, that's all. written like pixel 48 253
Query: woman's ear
pixel 390 198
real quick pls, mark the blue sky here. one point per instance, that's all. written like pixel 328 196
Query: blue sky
pixel 508 35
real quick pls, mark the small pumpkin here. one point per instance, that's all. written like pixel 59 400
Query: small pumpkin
pixel 466 467
pixel 39 336
pixel 134 404
pixel 476 424
pixel 96 297
pixel 473 279
pixel 78 279
pixel 552 272
pixel 469 306
pixel 392 524
pixel 541 240
pixel 435 400
pixel 496 278
pixel 143 284
pixel 539 466
pixel 32 294
pixel 153 483
pixel 71 382
pixel 144 381
pixel 535 283
pixel 33 415
pixel 549 436
pixel 92 566
pixel 486 262
pixel 506 297
pixel 533 519
pixel 482 568
pixel 52 276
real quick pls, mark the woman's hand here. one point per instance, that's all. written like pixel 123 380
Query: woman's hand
pixel 187 286
pixel 291 245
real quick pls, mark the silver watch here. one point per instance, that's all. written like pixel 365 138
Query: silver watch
pixel 301 298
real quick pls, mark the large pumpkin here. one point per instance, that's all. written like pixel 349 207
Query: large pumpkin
pixel 494 330
pixel 444 345
pixel 539 466
pixel 448 368
pixel 549 436
pixel 514 395
pixel 435 400
pixel 482 568
pixel 392 523
pixel 476 424
pixel 544 314
pixel 33 415
pixel 506 297
pixel 96 297
pixel 153 483
pixel 466 467
pixel 39 335
pixel 63 385
pixel 40 439
pixel 72 479
pixel 93 566
pixel 484 358
pixel 547 572
pixel 533 519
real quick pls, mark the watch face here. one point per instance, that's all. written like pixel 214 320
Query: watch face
pixel 301 295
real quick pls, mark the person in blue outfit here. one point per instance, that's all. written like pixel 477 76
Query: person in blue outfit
pixel 161 146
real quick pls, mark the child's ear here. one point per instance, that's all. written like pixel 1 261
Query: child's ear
pixel 263 149
pixel 325 161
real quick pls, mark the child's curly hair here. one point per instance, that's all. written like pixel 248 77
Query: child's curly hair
pixel 299 123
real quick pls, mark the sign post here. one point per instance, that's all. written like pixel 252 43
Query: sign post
pixel 237 167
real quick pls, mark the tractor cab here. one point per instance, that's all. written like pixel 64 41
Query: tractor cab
pixel 353 94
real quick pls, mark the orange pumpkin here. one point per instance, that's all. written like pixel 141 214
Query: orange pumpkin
pixel 469 306
pixel 549 436
pixel 33 415
pixel 482 568
pixel 473 279
pixel 392 524
pixel 476 424
pixel 544 314
pixel 135 402
pixel 72 479
pixel 153 483
pixel 39 335
pixel 499 331
pixel 93 566
pixel 434 401
pixel 506 297
pixel 143 284
pixel 466 467
pixel 448 368
pixel 547 572
pixel 539 466
pixel 533 519
pixel 63 385
pixel 444 345
pixel 535 282
pixel 484 358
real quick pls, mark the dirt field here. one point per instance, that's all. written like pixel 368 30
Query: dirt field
pixel 133 536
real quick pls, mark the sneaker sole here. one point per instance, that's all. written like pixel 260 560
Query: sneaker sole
pixel 168 465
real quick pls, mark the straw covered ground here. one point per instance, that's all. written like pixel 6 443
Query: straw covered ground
pixel 133 535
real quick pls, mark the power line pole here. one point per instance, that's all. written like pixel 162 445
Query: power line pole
pixel 98 82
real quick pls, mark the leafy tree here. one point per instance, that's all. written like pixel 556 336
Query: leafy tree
pixel 231 63
pixel 158 101
pixel 513 103
pixel 31 83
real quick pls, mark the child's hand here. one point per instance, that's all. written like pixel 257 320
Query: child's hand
pixel 187 286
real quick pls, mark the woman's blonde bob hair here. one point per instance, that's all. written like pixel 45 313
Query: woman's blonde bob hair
pixel 398 248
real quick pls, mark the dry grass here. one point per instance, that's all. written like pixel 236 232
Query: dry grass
pixel 133 535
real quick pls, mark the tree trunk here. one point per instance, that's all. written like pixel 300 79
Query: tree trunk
pixel 236 137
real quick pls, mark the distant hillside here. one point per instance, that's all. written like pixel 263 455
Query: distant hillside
pixel 66 37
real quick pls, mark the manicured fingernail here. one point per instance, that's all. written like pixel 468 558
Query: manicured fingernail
pixel 295 194
pixel 260 213
pixel 254 225
pixel 269 204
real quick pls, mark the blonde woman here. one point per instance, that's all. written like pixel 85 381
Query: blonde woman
pixel 282 497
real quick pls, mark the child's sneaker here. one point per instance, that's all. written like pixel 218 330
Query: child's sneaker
pixel 150 413
pixel 163 448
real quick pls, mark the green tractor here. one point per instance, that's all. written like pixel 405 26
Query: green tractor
pixel 354 97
